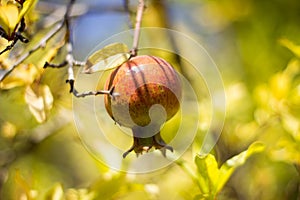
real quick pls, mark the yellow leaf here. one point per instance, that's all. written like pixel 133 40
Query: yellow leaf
pixel 40 101
pixel 11 15
pixel 9 18
pixel 25 8
pixel 24 74
pixel 109 57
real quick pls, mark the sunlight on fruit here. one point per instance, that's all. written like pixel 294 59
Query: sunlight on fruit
pixel 232 123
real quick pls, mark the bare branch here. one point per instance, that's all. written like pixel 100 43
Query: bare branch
pixel 16 36
pixel 94 93
pixel 69 61
pixel 24 56
pixel 9 47
pixel 78 63
pixel 60 65
pixel 137 29
pixel 55 12
pixel 63 64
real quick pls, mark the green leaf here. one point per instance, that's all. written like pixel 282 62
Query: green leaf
pixel 208 170
pixel 212 179
pixel 109 57
pixel 230 165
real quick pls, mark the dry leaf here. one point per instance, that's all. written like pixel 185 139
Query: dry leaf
pixel 40 101
pixel 108 57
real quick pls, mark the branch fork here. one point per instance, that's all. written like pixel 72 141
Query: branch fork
pixel 70 62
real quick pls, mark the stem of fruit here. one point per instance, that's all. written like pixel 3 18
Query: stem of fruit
pixel 137 29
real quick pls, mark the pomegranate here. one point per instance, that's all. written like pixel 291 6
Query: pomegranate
pixel 146 94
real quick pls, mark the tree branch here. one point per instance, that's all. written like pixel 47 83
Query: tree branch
pixel 69 58
pixel 94 93
pixel 16 36
pixel 63 64
pixel 25 55
pixel 70 61
pixel 137 29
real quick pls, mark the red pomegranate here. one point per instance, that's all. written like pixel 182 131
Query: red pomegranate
pixel 146 94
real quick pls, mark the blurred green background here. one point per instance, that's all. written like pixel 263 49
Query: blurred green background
pixel 256 46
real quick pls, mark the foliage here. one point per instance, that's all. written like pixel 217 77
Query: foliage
pixel 11 15
pixel 108 57
pixel 212 179
pixel 256 46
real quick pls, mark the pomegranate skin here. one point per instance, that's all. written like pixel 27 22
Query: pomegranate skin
pixel 139 84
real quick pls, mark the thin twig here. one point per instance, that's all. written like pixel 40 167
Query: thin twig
pixel 9 47
pixel 60 65
pixel 16 36
pixel 67 20
pixel 69 58
pixel 137 29
pixel 94 93
pixel 64 63
pixel 78 63
pixel 70 61
pixel 25 55
pixel 56 11
pixel 134 50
